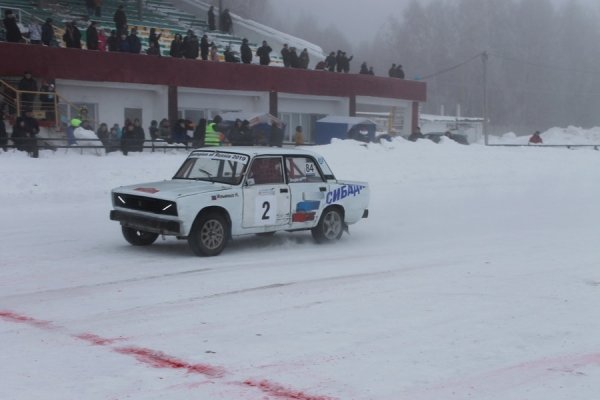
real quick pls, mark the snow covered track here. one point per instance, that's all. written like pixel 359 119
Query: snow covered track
pixel 475 275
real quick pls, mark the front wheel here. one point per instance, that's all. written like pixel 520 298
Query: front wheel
pixel 330 226
pixel 137 237
pixel 209 235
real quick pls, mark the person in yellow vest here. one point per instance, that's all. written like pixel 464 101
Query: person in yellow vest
pixel 213 137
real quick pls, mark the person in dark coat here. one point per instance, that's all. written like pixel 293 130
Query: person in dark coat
pixel 399 72
pixel 104 135
pixel 120 19
pixel 263 53
pixel 3 134
pixel 226 22
pixel 364 70
pixel 346 62
pixel 19 134
pixel 139 136
pixel 235 134
pixel 392 71
pixel 179 134
pixel 416 135
pixel 48 33
pixel 28 84
pixel 112 43
pixel 92 37
pixel 229 56
pixel 294 60
pixel 199 133
pixel 135 45
pixel 190 45
pixel 47 97
pixel 211 19
pixel 176 47
pixel 123 44
pixel 154 38
pixel 13 33
pixel 331 62
pixel 285 55
pixel 204 47
pixel 304 59
pixel 371 72
pixel 339 62
pixel 536 138
pixel 72 36
pixel 246 52
pixel 32 128
pixel 152 50
pixel 128 139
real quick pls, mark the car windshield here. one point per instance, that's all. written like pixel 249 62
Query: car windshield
pixel 214 166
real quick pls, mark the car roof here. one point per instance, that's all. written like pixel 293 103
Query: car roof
pixel 254 151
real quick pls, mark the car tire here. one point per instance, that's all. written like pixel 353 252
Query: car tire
pixel 330 226
pixel 137 237
pixel 209 235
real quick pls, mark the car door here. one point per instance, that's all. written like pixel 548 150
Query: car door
pixel 266 195
pixel 307 189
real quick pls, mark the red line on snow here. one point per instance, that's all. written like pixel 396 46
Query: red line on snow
pixel 158 359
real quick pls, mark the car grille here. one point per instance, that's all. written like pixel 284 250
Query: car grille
pixel 147 204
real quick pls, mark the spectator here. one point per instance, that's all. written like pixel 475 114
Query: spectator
pixel 213 136
pixel 152 50
pixel 13 33
pixel 176 47
pixel 98 8
pixel 392 71
pixel 92 37
pixel 164 129
pixel 101 40
pixel 226 22
pixel 246 52
pixel 211 19
pixel 331 62
pixel 536 138
pixel 364 69
pixel 204 47
pixel 304 59
pixel 179 134
pixel 229 56
pixel 263 53
pixel 47 97
pixel 32 128
pixel 371 72
pixel 246 132
pixel 199 133
pixel 72 36
pixel 135 45
pixel 285 55
pixel 214 53
pixel 139 136
pixel 27 84
pixel 239 135
pixel 48 33
pixel 294 60
pixel 190 45
pixel 338 61
pixel 154 38
pixel 91 7
pixel 123 44
pixel 298 136
pixel 128 139
pixel 321 66
pixel 104 135
pixel 114 139
pixel 399 72
pixel 416 135
pixel 153 130
pixel 112 43
pixel 3 134
pixel 35 32
pixel 19 134
pixel 346 62
pixel 276 136
pixel 120 19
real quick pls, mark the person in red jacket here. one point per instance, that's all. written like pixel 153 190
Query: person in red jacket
pixel 535 138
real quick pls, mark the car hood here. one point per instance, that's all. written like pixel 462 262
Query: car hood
pixel 171 190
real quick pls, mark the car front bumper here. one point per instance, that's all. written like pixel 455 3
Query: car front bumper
pixel 146 223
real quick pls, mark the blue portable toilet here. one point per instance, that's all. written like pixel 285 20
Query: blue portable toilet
pixel 357 128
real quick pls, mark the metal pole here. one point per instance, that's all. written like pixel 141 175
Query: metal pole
pixel 484 59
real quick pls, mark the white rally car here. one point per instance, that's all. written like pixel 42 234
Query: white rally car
pixel 230 191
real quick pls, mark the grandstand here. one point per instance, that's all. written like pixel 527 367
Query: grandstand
pixel 114 86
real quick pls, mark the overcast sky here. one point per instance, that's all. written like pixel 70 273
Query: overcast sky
pixel 351 16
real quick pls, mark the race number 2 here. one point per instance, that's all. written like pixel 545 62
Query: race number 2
pixel 265 210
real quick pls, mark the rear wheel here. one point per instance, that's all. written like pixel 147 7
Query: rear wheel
pixel 330 226
pixel 137 237
pixel 209 235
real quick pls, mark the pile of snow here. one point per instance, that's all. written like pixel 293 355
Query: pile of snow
pixel 555 136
